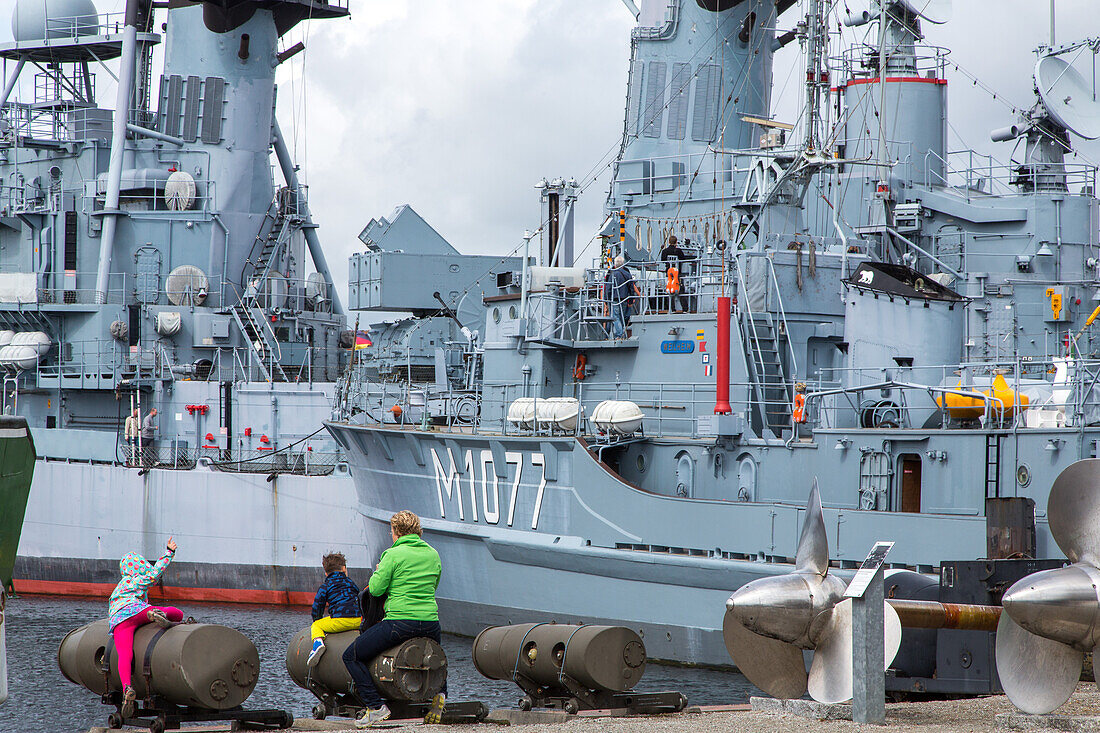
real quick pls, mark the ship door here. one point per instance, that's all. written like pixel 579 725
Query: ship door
pixel 874 481
pixel 910 482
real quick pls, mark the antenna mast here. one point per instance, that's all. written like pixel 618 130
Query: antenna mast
pixel 817 75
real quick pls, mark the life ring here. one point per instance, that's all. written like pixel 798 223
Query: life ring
pixel 578 370
pixel 799 413
pixel 672 284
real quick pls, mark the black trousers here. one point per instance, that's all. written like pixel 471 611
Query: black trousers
pixel 375 640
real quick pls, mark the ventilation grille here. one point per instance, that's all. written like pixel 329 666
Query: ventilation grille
pixel 191 104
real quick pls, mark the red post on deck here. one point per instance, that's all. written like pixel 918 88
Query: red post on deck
pixel 722 373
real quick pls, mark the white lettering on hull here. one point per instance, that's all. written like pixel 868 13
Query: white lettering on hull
pixel 448 483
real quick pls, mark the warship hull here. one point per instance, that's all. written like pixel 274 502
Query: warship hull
pixel 243 538
pixel 566 538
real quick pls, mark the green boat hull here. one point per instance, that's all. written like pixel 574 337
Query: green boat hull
pixel 16 469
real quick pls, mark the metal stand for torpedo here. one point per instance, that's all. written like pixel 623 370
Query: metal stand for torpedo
pixel 868 638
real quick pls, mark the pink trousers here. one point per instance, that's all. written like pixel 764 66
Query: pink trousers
pixel 124 638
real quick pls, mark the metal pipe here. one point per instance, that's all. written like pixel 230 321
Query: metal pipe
pixel 309 229
pixel 722 372
pixel 118 148
pixel 935 615
pixel 10 85
pixel 146 132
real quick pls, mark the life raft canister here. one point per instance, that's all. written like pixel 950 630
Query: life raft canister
pixel 672 284
pixel 799 413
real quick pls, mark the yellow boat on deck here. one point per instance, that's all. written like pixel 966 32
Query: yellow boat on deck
pixel 1003 401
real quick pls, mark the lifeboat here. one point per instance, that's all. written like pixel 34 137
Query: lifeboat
pixel 1004 401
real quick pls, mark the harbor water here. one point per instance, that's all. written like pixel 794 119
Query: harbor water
pixel 43 700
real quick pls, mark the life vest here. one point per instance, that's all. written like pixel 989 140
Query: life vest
pixel 799 413
pixel 578 370
pixel 672 284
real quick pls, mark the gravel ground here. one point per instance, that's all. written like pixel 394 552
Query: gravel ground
pixel 955 716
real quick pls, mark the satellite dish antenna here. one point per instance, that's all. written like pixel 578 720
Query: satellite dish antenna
pixel 1067 97
pixel 934 11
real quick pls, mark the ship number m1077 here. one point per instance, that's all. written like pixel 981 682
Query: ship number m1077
pixel 448 481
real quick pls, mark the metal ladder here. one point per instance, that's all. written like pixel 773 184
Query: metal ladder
pixel 992 466
pixel 279 222
pixel 773 397
pixel 250 320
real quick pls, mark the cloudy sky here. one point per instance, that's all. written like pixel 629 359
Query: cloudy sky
pixel 458 108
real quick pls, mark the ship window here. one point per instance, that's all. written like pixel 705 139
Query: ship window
pixel 496 315
pixel 512 313
pixel 641 463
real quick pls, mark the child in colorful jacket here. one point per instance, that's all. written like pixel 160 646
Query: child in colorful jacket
pixel 129 609
pixel 341 595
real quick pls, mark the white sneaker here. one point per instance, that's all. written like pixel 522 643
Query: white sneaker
pixel 315 653
pixel 369 717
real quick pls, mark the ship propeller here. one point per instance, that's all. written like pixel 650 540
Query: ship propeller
pixel 1052 618
pixel 770 621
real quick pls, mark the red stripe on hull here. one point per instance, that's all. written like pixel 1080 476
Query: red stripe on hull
pixel 168 593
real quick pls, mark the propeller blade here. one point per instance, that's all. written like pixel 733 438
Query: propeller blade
pixel 1037 674
pixel 774 666
pixel 813 545
pixel 1073 511
pixel 830 679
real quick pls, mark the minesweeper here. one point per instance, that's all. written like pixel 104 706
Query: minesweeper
pixel 909 323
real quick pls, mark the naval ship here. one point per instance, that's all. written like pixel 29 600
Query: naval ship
pixel 152 259
pixel 850 299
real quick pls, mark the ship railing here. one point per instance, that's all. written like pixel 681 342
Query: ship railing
pixel 181 455
pixel 98 364
pixel 670 408
pixel 701 278
pixel 975 174
pixel 121 289
pixel 862 61
pixel 151 204
pixel 875 398
pixel 74 27
pixel 57 121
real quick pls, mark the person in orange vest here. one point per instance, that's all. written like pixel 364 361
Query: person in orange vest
pixel 672 257
pixel 799 411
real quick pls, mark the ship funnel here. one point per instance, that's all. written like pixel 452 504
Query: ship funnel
pixel 769 622
pixel 1052 618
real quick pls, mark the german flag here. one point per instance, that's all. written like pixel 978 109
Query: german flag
pixel 362 340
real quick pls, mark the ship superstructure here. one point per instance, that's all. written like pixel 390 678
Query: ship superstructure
pixel 855 301
pixel 151 259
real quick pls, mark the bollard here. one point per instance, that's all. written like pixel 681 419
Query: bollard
pixel 413 671
pixel 608 658
pixel 191 665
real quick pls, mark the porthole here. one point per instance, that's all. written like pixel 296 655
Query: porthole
pixel 642 463
pixel 1023 475
pixel 496 315
pixel 512 312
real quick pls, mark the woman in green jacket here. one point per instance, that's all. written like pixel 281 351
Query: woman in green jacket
pixel 407 574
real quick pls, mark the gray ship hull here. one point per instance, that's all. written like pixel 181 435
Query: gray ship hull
pixel 570 540
pixel 242 538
